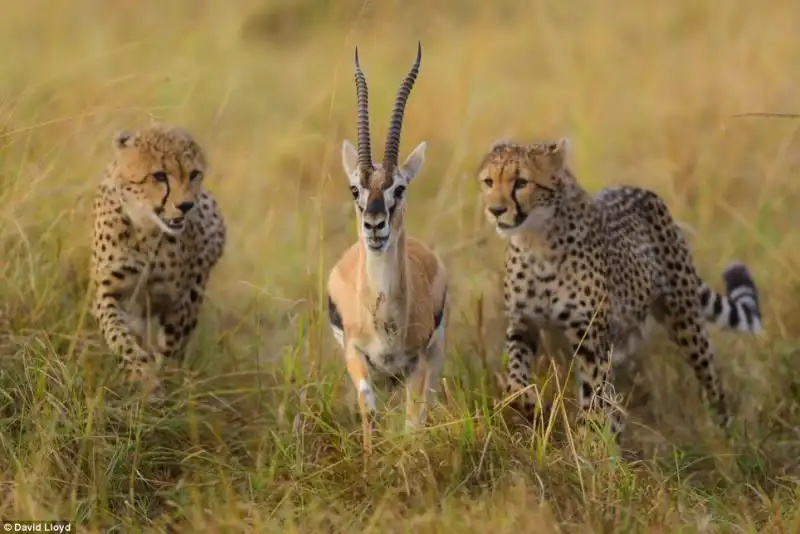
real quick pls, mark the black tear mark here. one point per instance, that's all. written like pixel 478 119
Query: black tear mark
pixel 521 215
pixel 166 195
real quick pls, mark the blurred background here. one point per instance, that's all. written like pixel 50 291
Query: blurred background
pixel 644 90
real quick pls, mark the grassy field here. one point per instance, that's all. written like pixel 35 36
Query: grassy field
pixel 258 433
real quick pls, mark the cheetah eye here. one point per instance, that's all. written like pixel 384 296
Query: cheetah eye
pixel 160 177
pixel 354 192
pixel 195 175
pixel 398 192
pixel 520 183
pixel 488 182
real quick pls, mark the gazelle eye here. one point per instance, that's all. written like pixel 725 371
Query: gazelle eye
pixel 399 191
pixel 354 192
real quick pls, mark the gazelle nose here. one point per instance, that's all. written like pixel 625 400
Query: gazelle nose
pixel 497 211
pixel 374 226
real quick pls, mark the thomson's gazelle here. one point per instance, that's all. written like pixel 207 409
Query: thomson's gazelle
pixel 387 294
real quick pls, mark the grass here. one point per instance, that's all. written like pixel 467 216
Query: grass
pixel 258 432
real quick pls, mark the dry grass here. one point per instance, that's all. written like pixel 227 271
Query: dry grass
pixel 644 90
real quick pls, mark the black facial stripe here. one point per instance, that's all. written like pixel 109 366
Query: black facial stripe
pixel 376 205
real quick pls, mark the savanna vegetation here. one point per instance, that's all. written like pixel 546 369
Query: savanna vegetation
pixel 258 432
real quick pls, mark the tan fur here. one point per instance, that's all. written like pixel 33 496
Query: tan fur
pixel 387 294
pixel 151 259
pixel 413 305
pixel 419 283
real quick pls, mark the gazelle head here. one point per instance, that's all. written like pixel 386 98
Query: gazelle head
pixel 379 190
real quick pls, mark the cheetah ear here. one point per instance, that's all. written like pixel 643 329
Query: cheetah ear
pixel 558 153
pixel 123 139
pixel 500 143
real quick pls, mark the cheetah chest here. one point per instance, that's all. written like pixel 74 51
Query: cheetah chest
pixel 161 278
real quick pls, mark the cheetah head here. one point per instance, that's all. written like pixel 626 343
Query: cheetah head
pixel 159 172
pixel 378 190
pixel 519 184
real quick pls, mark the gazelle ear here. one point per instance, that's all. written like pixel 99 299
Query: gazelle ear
pixel 350 161
pixel 413 163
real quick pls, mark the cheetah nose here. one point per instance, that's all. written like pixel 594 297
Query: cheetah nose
pixel 185 207
pixel 497 211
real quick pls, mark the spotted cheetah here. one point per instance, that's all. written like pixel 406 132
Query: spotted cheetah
pixel 594 272
pixel 157 235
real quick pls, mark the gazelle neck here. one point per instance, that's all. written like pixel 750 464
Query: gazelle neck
pixel 386 270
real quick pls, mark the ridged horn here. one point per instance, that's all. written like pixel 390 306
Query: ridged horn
pixel 396 121
pixel 362 127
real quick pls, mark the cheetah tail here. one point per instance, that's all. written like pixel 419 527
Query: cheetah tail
pixel 738 309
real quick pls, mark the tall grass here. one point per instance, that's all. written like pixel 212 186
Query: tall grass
pixel 258 432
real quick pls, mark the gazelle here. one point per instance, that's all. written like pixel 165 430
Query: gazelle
pixel 387 294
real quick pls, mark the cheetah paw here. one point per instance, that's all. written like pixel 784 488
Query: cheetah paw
pixel 145 375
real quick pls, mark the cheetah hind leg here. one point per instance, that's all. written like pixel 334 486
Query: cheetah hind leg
pixel 687 327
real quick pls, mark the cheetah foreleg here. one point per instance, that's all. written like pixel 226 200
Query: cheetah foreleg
pixel 522 343
pixel 137 363
pixel 590 343
pixel 178 324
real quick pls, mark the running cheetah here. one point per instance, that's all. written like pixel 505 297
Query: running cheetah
pixel 157 235
pixel 593 272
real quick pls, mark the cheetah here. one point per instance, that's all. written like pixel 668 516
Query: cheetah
pixel 594 272
pixel 157 235
pixel 387 294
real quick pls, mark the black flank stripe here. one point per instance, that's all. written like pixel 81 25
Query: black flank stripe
pixel 333 314
pixel 438 316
